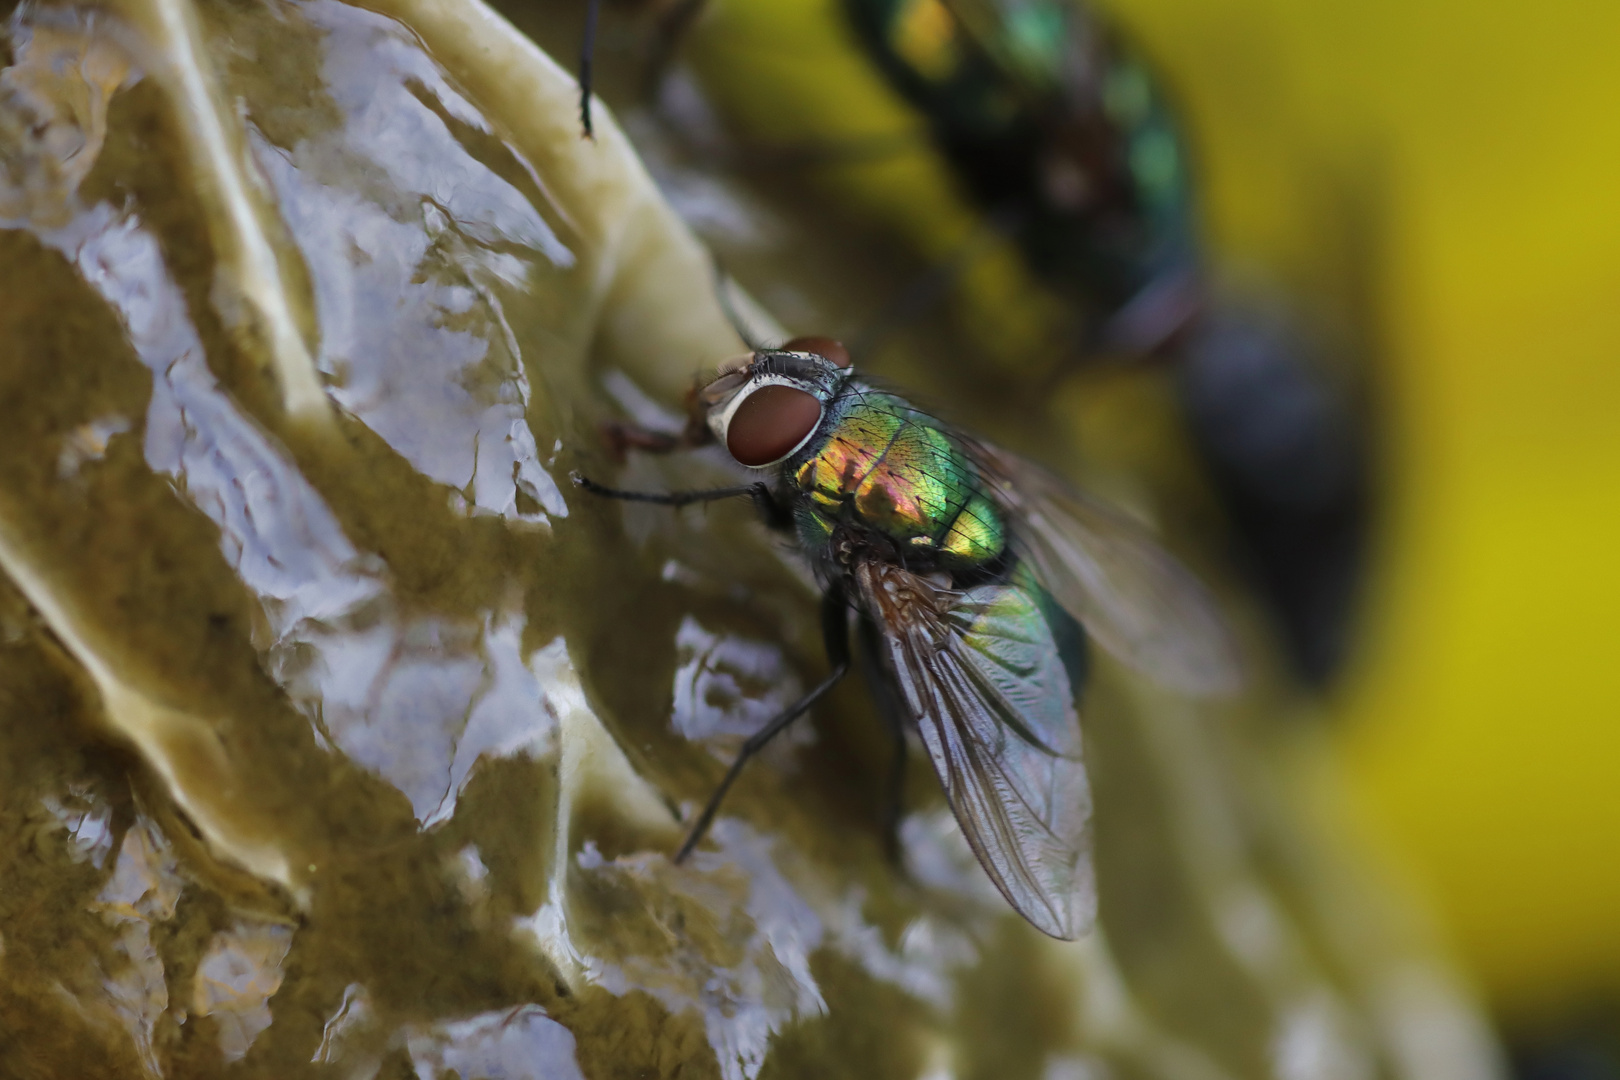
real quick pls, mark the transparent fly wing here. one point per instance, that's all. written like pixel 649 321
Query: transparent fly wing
pixel 1133 598
pixel 982 674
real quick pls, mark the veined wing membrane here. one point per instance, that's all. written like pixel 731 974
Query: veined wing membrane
pixel 981 674
pixel 1138 602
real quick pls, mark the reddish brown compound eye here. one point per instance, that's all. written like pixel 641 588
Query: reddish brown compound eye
pixel 824 347
pixel 770 422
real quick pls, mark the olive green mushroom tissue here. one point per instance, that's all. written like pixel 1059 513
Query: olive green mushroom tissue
pixel 340 736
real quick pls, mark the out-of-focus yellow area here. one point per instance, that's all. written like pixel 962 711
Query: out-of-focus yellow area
pixel 1469 154
pixel 1447 174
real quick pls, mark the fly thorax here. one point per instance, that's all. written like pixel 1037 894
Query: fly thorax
pixel 886 467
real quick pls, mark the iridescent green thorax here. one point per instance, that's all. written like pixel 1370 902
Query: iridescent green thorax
pixel 884 465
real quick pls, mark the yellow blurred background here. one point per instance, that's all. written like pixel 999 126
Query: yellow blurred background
pixel 1482 718
pixel 1483 732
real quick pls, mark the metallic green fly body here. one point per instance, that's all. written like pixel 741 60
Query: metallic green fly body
pixel 977 580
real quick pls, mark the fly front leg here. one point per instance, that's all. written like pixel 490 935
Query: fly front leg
pixel 835 632
pixel 758 492
pixel 775 516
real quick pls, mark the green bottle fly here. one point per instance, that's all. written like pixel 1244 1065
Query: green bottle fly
pixel 976 580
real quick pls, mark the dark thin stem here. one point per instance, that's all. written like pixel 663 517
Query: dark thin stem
pixel 586 52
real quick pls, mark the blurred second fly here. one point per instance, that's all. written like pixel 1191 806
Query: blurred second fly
pixel 1049 120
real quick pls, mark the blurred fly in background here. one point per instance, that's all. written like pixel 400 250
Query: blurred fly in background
pixel 1061 133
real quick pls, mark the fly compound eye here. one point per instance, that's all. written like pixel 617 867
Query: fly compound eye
pixel 770 423
pixel 825 347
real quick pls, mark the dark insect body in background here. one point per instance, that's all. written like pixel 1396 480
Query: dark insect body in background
pixel 971 573
pixel 1289 458
pixel 1043 113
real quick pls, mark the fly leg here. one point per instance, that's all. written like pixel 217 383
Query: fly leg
pixel 835 632
pixel 760 493
pixel 888 708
